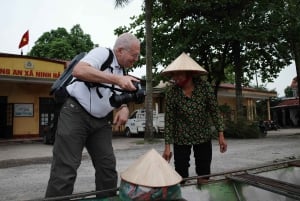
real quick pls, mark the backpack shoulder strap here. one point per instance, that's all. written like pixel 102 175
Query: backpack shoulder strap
pixel 108 61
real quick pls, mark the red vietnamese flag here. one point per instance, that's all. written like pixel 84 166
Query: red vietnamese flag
pixel 25 39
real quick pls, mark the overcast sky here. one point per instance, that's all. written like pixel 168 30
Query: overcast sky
pixel 98 18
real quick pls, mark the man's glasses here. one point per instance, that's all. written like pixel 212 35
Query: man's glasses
pixel 136 55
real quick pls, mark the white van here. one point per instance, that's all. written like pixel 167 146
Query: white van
pixel 137 122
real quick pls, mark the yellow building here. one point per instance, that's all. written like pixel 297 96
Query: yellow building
pixel 25 105
pixel 226 95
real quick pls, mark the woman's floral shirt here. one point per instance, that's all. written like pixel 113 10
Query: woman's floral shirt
pixel 189 120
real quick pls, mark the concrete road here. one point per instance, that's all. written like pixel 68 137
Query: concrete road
pixel 25 166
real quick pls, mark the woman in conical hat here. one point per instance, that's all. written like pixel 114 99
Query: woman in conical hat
pixel 191 111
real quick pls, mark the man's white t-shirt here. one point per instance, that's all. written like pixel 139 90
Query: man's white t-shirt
pixel 88 97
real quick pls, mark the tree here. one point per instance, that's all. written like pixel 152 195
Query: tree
pixel 242 35
pixel 121 3
pixel 59 44
pixel 149 64
pixel 288 91
pixel 290 29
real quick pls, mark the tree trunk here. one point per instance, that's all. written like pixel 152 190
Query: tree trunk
pixel 149 106
pixel 296 54
pixel 238 78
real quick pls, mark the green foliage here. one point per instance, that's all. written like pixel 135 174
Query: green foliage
pixel 229 75
pixel 225 111
pixel 274 101
pixel 59 44
pixel 225 108
pixel 121 3
pixel 219 35
pixel 242 129
pixel 288 91
pixel 261 109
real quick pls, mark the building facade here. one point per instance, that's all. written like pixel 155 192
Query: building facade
pixel 287 112
pixel 26 108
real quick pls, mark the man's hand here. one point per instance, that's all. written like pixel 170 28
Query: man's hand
pixel 125 82
pixel 121 116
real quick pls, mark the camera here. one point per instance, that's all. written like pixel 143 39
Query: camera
pixel 137 96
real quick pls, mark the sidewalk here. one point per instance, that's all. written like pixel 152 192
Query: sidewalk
pixel 286 131
pixel 29 151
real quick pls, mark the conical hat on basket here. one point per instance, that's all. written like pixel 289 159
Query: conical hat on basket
pixel 184 63
pixel 151 170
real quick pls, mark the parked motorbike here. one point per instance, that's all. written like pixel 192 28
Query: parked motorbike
pixel 271 125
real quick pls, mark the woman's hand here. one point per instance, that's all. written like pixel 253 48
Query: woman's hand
pixel 167 155
pixel 222 143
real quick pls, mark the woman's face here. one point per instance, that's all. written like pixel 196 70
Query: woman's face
pixel 181 78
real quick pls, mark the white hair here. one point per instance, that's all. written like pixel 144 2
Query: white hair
pixel 125 41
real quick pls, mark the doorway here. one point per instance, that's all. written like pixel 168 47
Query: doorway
pixel 46 115
pixel 6 118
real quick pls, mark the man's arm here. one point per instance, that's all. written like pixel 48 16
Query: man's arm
pixel 86 72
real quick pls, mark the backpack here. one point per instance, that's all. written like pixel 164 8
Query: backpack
pixel 58 89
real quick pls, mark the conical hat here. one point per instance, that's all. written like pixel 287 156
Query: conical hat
pixel 151 170
pixel 184 63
